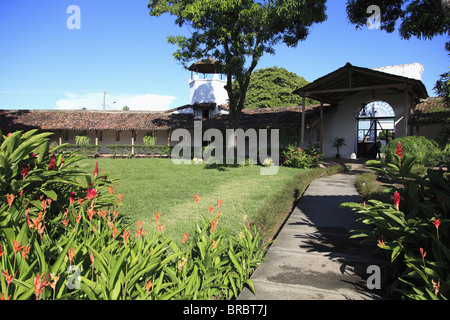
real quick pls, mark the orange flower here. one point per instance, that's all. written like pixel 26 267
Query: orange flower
pixel 436 286
pixel 139 230
pixel 437 223
pixel 215 244
pixel 1 248
pixel 55 280
pixel 197 198
pixel 2 297
pixel 111 189
pixel 219 203
pixel 71 254
pixel 148 285
pixel 16 246
pixel 181 264
pixel 10 198
pixel 184 239
pixel 24 251
pixel 65 222
pixel 77 217
pixel 114 232
pixel 120 197
pixel 39 284
pixel 211 209
pixel 126 235
pixel 213 225
pixel 8 277
pixel 72 197
pixel 90 213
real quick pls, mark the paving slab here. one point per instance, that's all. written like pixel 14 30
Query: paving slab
pixel 312 257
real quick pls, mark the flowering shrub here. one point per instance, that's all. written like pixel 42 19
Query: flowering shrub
pixel 62 236
pixel 412 232
pixel 297 157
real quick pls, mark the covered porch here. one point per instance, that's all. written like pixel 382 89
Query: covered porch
pixel 350 89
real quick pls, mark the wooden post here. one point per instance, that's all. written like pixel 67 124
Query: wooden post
pixel 321 127
pixel 96 137
pixel 168 138
pixel 132 142
pixel 405 111
pixel 303 122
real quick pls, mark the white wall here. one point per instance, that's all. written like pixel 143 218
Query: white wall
pixel 343 124
pixel 207 90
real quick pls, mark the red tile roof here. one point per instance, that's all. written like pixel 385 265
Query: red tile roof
pixel 150 121
pixel 431 111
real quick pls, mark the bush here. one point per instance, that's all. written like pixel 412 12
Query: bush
pixel 426 152
pixel 412 233
pixel 297 157
pixel 62 237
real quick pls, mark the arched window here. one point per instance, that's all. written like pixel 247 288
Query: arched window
pixel 376 127
pixel 376 120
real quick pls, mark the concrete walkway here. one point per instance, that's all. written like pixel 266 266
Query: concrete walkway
pixel 312 257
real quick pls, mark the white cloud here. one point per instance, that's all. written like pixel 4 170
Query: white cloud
pixel 94 101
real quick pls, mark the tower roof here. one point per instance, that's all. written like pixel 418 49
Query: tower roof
pixel 208 65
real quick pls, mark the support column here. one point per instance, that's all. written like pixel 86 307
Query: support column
pixel 132 142
pixel 405 111
pixel 303 123
pixel 321 127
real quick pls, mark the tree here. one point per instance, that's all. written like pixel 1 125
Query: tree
pixel 238 33
pixel 423 19
pixel 273 87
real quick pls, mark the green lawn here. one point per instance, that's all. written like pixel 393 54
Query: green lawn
pixel 158 185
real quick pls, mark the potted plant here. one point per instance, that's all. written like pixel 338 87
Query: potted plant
pixel 338 143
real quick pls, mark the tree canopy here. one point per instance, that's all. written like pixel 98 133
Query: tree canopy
pixel 273 87
pixel 423 19
pixel 238 33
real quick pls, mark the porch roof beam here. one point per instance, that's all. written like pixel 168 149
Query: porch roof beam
pixel 384 86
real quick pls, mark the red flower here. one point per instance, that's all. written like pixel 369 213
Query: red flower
pixel 96 169
pixel 399 150
pixel 396 199
pixel 91 193
pixel 25 169
pixel 423 253
pixel 72 197
pixel 52 165
pixel 219 203
pixel 437 223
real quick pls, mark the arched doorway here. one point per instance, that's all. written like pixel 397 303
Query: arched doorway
pixel 376 127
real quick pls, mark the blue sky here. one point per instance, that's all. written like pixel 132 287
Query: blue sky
pixel 120 48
